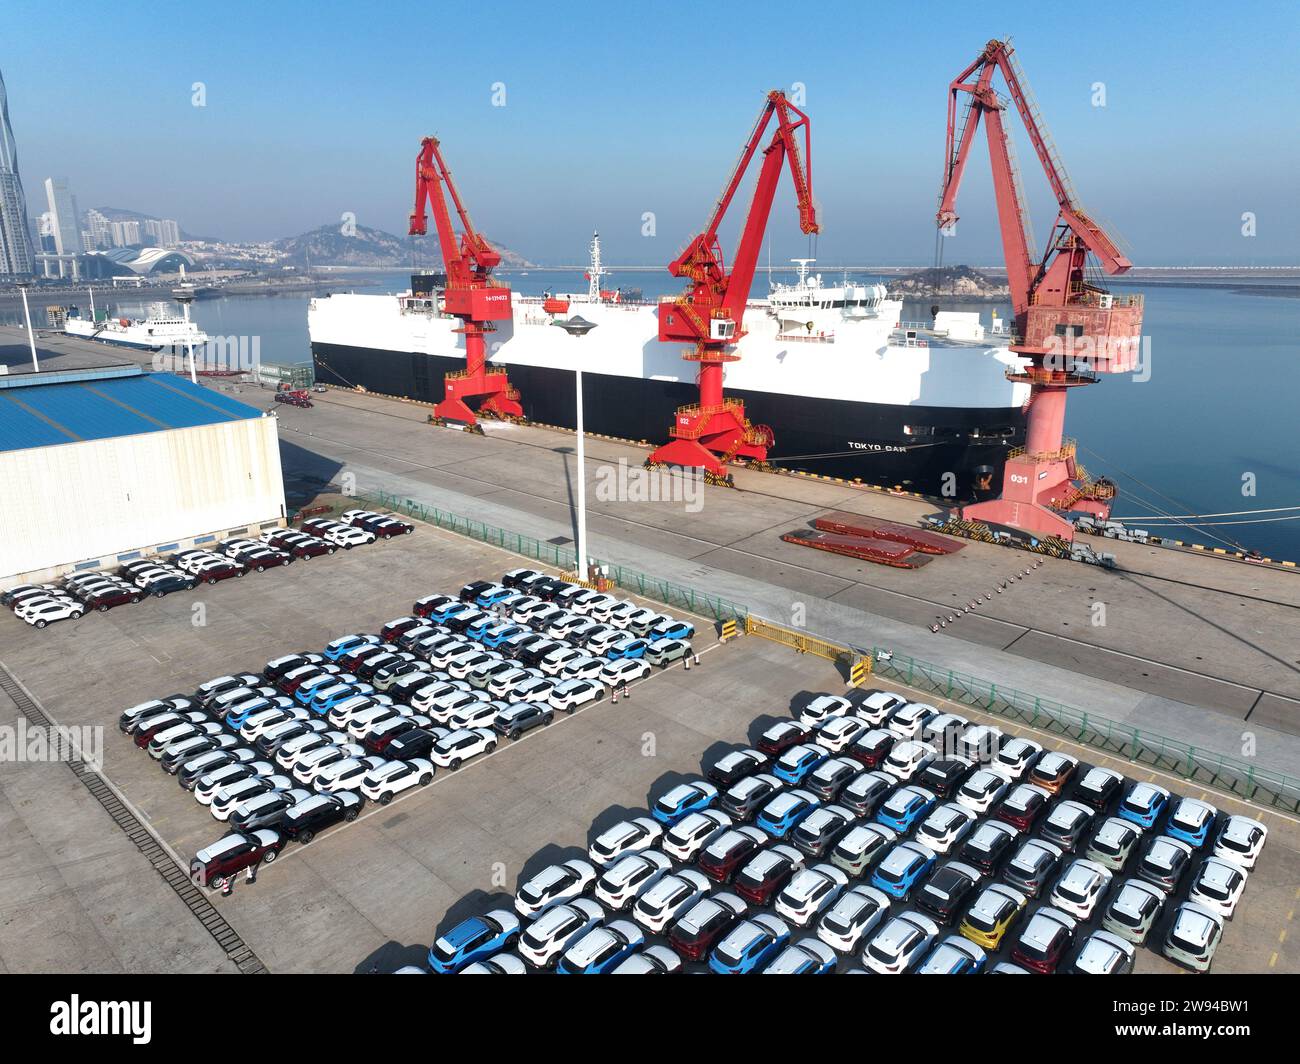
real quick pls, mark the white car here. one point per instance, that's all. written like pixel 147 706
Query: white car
pixel 906 759
pixel 823 706
pixel 1081 886
pixel 854 915
pixel 620 883
pixel 258 724
pixel 810 892
pixel 547 936
pixel 460 666
pixel 621 614
pixel 312 763
pixel 384 782
pixel 363 723
pixel 900 943
pixel 835 733
pixel 343 713
pixel 907 722
pixel 1218 886
pixel 454 749
pixel 1016 758
pixel 555 883
pixel 877 707
pixel 447 706
pixel 627 836
pixel 553 663
pixel 670 895
pixel 569 695
pixel 533 689
pixel 288 754
pixel 584 668
pixel 503 684
pixel 347 537
pixel 346 775
pixel 43 612
pixel 626 670
pixel 945 826
pixel 981 790
pixel 477 715
pixel 693 832
pixel 586 604
pixel 602 639
pixel 1241 841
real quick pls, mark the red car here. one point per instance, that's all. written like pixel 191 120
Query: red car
pixel 767 873
pixel 783 735
pixel 872 747
pixel 109 597
pixel 227 857
pixel 694 934
pixel 425 606
pixel 293 398
pixel 383 526
pixel 393 629
pixel 720 860
pixel 220 569
pixel 263 558
pixel 299 544
pixel 354 658
pixel 1022 805
pixel 1044 940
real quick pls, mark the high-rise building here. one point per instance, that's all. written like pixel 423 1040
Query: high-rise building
pixel 16 256
pixel 125 233
pixel 100 229
pixel 63 206
pixel 163 231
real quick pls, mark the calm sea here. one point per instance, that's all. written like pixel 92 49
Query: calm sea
pixel 1214 430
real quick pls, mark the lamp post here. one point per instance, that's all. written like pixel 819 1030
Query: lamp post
pixel 185 299
pixel 27 316
pixel 577 326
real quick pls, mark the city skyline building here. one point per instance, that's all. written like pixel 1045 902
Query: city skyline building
pixel 17 256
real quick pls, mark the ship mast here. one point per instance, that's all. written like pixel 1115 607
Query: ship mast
pixel 595 271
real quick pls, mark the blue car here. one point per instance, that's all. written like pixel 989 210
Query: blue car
pixel 307 691
pixel 601 949
pixel 673 630
pixel 809 956
pixel 782 812
pixel 449 610
pixel 472 940
pixel 954 956
pixel 793 765
pixel 496 634
pixel 491 597
pixel 627 647
pixel 749 945
pixel 1144 804
pixel 902 809
pixel 241 711
pixel 1191 821
pixel 902 866
pixel 329 696
pixel 480 627
pixel 682 800
pixel 345 643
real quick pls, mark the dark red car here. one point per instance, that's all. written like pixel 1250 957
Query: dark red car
pixel 293 398
pixel 765 875
pixel 783 735
pixel 703 924
pixel 871 748
pixel 1044 940
pixel 384 526
pixel 376 742
pixel 721 863
pixel 354 658
pixel 1022 805
pixel 220 569
pixel 227 857
pixel 393 629
pixel 109 597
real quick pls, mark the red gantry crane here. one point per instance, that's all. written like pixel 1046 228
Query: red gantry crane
pixel 470 294
pixel 1068 328
pixel 710 313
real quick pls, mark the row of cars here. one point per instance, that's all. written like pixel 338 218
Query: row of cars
pixel 366 718
pixel 818 845
pixel 100 590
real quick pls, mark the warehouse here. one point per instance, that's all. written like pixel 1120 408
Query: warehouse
pixel 102 464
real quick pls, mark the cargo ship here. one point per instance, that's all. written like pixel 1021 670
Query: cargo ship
pixel 161 328
pixel 848 387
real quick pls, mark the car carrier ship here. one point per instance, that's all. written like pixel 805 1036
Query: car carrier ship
pixel 850 389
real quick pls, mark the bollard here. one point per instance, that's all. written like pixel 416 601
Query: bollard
pixel 697 659
pixel 613 698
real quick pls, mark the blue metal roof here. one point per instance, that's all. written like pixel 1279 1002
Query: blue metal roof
pixel 70 412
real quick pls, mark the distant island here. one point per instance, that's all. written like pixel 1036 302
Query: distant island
pixel 330 245
pixel 963 282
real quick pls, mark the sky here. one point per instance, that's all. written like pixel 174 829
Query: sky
pixel 615 110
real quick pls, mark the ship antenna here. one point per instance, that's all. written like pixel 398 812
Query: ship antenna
pixel 594 271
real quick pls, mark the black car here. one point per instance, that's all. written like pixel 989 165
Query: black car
pixel 943 895
pixel 277 667
pixel 276 736
pixel 533 652
pixel 517 576
pixel 264 810
pixel 302 821
pixel 172 761
pixel 866 791
pixel 201 764
pixel 989 845
pixel 734 766
pixel 1099 788
pixel 522 717
pixel 416 743
pixel 171 704
pixel 745 797
pixel 547 588
pixel 165 585
pixel 944 777
pixel 830 777
pixel 471 591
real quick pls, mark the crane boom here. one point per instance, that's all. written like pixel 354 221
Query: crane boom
pixel 710 313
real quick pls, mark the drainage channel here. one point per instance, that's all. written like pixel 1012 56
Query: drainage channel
pixel 236 949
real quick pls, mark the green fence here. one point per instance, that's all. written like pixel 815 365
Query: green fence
pixel 1169 755
pixel 564 558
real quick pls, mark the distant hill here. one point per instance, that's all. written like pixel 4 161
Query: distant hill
pixel 328 246
pixel 949 281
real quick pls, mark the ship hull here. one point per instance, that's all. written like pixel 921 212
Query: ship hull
pixel 849 439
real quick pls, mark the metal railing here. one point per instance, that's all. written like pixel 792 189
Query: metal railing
pixel 564 558
pixel 1192 763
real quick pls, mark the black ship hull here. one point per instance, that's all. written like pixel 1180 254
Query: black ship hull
pixel 944 452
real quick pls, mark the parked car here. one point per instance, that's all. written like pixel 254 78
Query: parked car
pixel 946 889
pixel 993 913
pixel 627 836
pixel 555 883
pixel 385 782
pixel 749 945
pixel 1103 954
pixel 693 935
pixel 473 939
pixel 514 720
pixel 546 937
pixel 900 943
pixel 853 917
pixel 1241 841
pixel 1043 942
pixel 669 895
pixel 1193 936
pixel 682 800
pixel 232 853
pixel 308 818
pixel 601 949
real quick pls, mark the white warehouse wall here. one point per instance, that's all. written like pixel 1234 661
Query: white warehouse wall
pixel 72 502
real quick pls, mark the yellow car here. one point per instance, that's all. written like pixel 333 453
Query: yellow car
pixel 994 911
